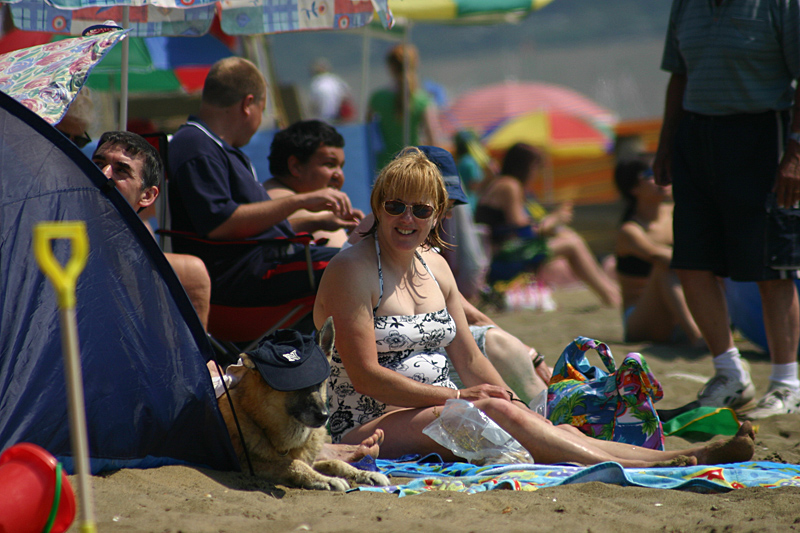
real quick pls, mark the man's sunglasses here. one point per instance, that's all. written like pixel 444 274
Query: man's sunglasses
pixel 395 209
pixel 80 140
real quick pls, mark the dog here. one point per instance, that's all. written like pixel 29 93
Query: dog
pixel 284 431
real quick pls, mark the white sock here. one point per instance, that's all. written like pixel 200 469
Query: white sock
pixel 785 375
pixel 730 363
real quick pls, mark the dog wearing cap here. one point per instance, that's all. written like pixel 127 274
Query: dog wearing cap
pixel 279 396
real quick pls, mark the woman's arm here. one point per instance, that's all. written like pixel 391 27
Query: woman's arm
pixel 510 197
pixel 633 240
pixel 474 315
pixel 552 221
pixel 347 292
pixel 475 370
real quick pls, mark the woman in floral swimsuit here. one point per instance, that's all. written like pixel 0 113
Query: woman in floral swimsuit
pixel 395 307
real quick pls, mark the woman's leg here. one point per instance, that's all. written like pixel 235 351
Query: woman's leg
pixel 660 308
pixel 567 444
pixel 568 244
pixel 512 360
pixel 403 434
pixel 547 443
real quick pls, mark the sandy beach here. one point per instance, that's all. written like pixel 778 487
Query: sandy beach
pixel 191 500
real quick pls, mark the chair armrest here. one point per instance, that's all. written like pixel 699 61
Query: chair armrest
pixel 301 238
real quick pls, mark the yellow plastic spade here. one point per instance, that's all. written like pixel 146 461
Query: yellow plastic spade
pixel 64 279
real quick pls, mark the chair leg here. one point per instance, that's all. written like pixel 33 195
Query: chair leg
pixel 311 279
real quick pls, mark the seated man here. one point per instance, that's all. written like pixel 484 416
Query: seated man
pixel 305 157
pixel 215 195
pixel 135 167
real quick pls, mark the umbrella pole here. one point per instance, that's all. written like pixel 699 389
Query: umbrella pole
pixel 406 88
pixel 123 77
pixel 365 56
pixel 64 282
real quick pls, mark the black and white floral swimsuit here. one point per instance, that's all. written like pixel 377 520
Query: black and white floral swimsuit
pixel 412 345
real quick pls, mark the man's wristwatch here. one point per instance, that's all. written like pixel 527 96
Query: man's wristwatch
pixel 794 136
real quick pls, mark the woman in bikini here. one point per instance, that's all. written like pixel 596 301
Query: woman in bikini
pixel 654 307
pixel 525 236
pixel 398 318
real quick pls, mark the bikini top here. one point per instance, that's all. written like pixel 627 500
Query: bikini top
pixel 630 265
pixel 380 273
pixel 633 266
pixel 500 229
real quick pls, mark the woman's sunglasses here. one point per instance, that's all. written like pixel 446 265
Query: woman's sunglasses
pixel 395 209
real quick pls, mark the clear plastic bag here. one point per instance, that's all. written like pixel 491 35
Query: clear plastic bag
pixel 539 403
pixel 466 431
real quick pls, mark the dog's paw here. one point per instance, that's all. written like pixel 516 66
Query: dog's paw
pixel 329 483
pixel 337 483
pixel 373 478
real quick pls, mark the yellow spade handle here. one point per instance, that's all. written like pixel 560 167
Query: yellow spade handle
pixel 63 279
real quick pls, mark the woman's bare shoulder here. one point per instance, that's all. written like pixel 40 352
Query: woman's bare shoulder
pixel 438 265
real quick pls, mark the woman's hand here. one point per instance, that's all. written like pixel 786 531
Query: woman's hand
pixel 483 391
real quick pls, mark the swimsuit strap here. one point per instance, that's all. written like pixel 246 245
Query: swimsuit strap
pixel 380 272
pixel 380 275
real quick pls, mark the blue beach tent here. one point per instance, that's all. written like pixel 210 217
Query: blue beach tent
pixel 149 398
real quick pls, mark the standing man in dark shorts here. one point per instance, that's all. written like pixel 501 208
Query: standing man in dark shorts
pixel 729 142
pixel 215 194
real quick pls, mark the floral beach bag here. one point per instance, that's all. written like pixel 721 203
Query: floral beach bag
pixel 614 405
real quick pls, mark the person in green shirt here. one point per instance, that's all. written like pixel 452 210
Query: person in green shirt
pixel 386 106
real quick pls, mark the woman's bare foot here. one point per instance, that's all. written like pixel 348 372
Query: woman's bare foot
pixel 352 453
pixel 681 460
pixel 738 448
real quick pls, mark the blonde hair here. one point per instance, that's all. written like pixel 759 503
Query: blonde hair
pixel 412 176
pixel 396 61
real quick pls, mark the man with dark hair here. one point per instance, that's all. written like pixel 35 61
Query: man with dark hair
pixel 305 157
pixel 215 195
pixel 135 167
pixel 133 147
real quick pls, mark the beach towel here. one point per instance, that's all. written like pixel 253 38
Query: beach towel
pixel 615 405
pixel 428 474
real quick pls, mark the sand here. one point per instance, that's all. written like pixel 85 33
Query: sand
pixel 192 500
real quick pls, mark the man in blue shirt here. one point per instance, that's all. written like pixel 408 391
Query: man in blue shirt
pixel 215 194
pixel 730 144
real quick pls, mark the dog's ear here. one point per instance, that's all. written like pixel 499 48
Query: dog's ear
pixel 248 363
pixel 325 337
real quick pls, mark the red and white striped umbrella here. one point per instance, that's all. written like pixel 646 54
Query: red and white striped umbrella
pixel 485 108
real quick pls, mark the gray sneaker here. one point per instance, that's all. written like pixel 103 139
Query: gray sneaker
pixel 779 400
pixel 726 391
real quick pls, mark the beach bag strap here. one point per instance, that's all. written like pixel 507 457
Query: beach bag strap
pixel 573 363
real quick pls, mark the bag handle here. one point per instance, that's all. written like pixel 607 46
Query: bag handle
pixel 584 344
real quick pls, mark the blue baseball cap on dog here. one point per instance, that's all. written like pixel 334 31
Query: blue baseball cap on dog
pixel 289 361
pixel 447 165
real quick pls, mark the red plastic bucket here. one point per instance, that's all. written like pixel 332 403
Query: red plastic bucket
pixel 27 490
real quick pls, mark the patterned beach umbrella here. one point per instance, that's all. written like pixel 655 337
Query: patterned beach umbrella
pixel 560 134
pixel 150 18
pixel 155 64
pixel 486 108
pixel 47 77
pixel 486 11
